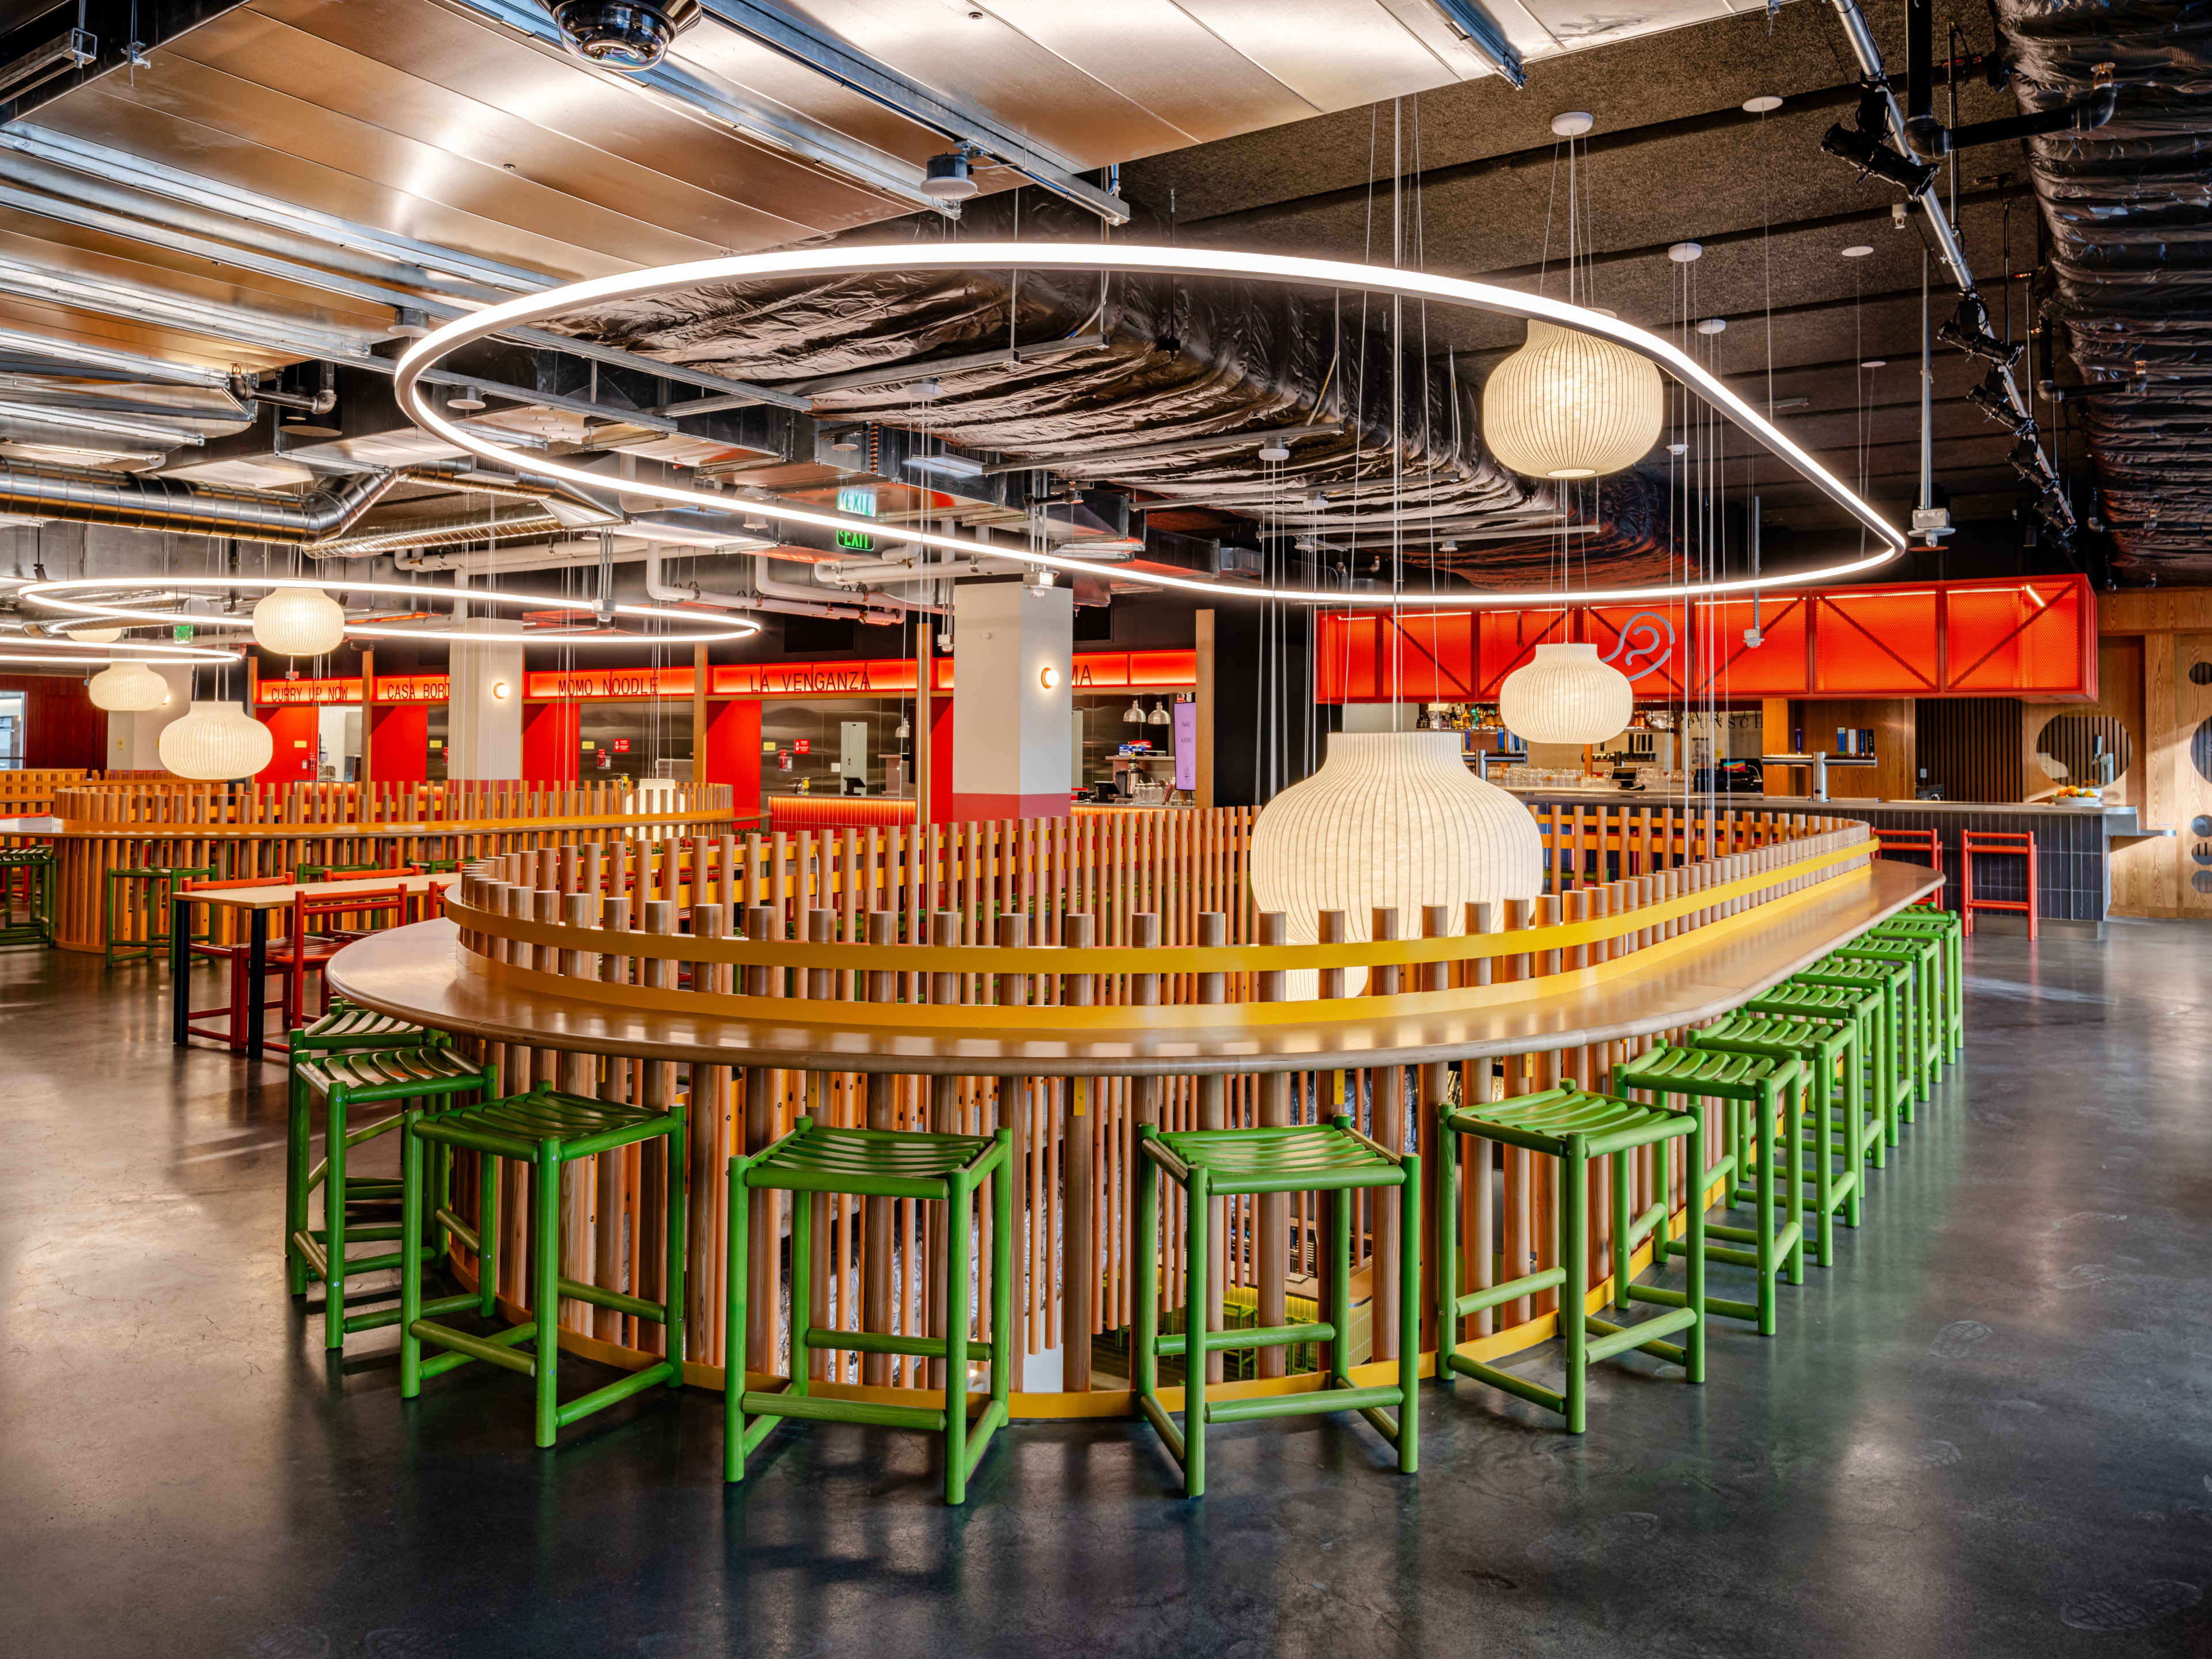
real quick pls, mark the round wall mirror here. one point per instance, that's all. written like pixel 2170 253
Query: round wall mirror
pixel 2075 741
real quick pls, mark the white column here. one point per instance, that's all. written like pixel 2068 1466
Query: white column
pixel 1013 647
pixel 134 741
pixel 483 714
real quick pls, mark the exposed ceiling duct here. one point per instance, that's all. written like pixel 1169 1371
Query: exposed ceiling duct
pixel 2129 210
pixel 1193 390
pixel 175 506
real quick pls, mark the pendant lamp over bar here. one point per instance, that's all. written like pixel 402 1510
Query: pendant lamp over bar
pixel 1572 405
pixel 214 741
pixel 1566 696
pixel 1392 818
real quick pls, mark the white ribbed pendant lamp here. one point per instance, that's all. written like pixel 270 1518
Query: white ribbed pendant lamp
pixel 1566 696
pixel 1572 405
pixel 1391 818
pixel 128 687
pixel 214 741
pixel 298 622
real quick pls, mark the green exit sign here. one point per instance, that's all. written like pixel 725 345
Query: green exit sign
pixel 861 502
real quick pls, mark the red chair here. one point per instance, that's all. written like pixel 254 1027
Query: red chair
pixel 305 951
pixel 1995 843
pixel 1924 842
pixel 234 956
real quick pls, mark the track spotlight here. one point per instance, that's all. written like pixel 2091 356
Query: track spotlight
pixel 2026 459
pixel 628 35
pixel 1990 397
pixel 1969 330
pixel 1866 145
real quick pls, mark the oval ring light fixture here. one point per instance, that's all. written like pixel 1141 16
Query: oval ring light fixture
pixel 1110 260
pixel 713 626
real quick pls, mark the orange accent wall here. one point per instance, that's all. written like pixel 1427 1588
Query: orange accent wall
pixel 289 727
pixel 552 742
pixel 2019 637
pixel 733 754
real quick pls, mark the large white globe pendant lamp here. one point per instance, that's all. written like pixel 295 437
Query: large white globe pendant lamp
pixel 128 687
pixel 1572 405
pixel 1566 696
pixel 1391 818
pixel 298 622
pixel 214 741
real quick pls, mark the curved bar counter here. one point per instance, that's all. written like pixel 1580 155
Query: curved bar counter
pixel 570 969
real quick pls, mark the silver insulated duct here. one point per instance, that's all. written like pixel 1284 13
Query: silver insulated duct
pixel 84 495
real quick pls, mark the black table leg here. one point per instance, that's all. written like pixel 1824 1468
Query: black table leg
pixel 181 958
pixel 257 983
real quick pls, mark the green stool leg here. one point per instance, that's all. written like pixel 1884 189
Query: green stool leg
pixel 733 1361
pixel 1144 1337
pixel 1693 1267
pixel 1002 1277
pixel 1194 1323
pixel 545 1288
pixel 487 1235
pixel 675 1181
pixel 334 1219
pixel 411 1255
pixel 957 1246
pixel 1409 1322
pixel 1574 1256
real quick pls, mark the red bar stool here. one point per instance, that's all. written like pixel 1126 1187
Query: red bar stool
pixel 308 952
pixel 1925 844
pixel 2009 843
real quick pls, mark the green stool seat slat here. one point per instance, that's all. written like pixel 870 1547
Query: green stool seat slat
pixel 1210 1163
pixel 346 1078
pixel 1759 1092
pixel 877 1163
pixel 1830 1122
pixel 546 1130
pixel 1573 1126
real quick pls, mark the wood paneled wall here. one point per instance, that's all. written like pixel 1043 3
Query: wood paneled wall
pixel 1895 744
pixel 1970 746
pixel 2156 638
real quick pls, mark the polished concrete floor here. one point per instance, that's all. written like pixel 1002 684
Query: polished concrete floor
pixel 1988 1430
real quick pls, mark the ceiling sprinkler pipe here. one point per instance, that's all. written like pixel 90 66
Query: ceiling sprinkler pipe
pixel 665 593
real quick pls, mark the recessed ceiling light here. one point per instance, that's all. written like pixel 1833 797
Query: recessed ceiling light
pixel 1874 363
pixel 1857 252
pixel 1573 123
pixel 1762 104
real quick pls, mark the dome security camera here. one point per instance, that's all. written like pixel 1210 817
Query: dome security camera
pixel 628 35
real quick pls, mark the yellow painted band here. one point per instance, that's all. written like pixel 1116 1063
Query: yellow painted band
pixel 1175 959
pixel 997 1021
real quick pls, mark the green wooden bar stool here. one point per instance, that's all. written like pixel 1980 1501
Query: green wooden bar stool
pixel 153 943
pixel 31 871
pixel 302 874
pixel 342 1028
pixel 1830 1120
pixel 1946 928
pixel 1923 1013
pixel 949 1169
pixel 1892 982
pixel 1859 1010
pixel 1760 1095
pixel 1576 1127
pixel 544 1129
pixel 1306 1158
pixel 347 1079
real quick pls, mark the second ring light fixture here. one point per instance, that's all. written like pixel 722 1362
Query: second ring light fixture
pixel 1107 259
